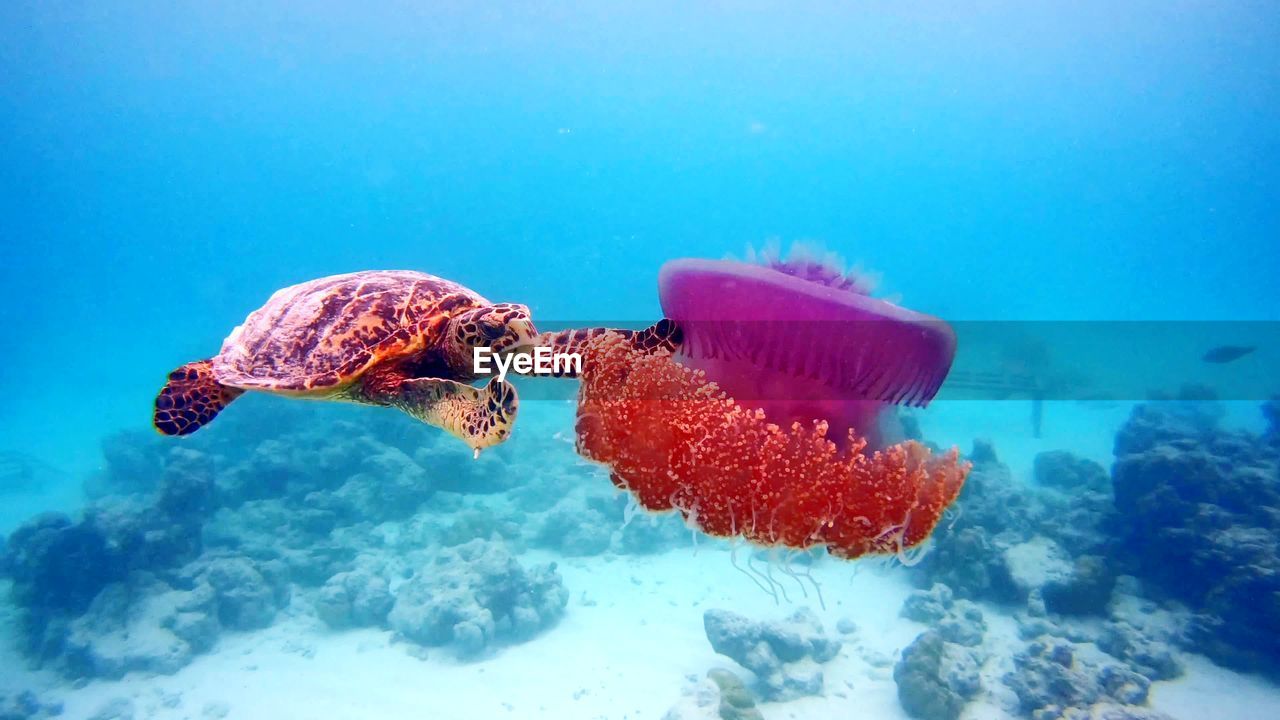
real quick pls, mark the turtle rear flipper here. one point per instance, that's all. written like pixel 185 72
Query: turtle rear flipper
pixel 191 399
pixel 480 417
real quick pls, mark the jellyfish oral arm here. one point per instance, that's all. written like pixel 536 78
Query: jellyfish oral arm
pixel 677 442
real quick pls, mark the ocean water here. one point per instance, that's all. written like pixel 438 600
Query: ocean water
pixel 1014 168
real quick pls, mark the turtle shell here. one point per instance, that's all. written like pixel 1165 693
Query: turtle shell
pixel 318 336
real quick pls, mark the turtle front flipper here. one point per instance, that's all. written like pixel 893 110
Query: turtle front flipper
pixel 191 399
pixel 480 417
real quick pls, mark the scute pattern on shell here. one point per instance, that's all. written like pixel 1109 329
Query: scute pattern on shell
pixel 324 333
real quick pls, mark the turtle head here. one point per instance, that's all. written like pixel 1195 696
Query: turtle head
pixel 502 327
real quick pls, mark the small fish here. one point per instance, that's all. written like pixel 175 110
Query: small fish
pixel 1227 353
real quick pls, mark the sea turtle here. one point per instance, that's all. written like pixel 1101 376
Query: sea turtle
pixel 392 338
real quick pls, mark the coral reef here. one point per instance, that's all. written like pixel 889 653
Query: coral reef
pixel 719 695
pixel 785 656
pixel 572 529
pixel 1105 711
pixel 1052 683
pixel 368 523
pixel 475 595
pixel 1010 542
pixel 156 623
pixel 144 625
pixel 184 543
pixel 736 702
pixel 956 621
pixel 59 565
pixel 938 673
pixel 1201 509
pixel 1056 549
pixel 1061 470
pixel 355 598
pixel 935 678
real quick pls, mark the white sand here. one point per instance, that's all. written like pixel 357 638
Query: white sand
pixel 1213 693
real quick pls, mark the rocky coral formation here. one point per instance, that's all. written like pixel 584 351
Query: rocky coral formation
pixel 1145 656
pixel 186 541
pixel 578 525
pixel 248 592
pixel 786 657
pixel 355 598
pixel 736 702
pixel 936 678
pixel 376 524
pixel 1201 509
pixel 475 595
pixel 938 672
pixel 59 565
pixel 1061 470
pixel 956 621
pixel 144 625
pixel 719 695
pixel 157 623
pixel 1056 549
pixel 1052 683
pixel 1012 541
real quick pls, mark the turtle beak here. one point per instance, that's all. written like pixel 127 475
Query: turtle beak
pixel 524 337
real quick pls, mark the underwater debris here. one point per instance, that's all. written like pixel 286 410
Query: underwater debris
pixel 677 442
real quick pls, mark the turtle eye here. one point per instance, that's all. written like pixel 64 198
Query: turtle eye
pixel 492 331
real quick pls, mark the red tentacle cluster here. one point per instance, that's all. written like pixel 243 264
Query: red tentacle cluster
pixel 677 442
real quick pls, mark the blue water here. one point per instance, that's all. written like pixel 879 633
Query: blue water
pixel 165 166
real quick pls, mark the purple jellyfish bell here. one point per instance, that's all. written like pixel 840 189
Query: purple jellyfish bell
pixel 803 341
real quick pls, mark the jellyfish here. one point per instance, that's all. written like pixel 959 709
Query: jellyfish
pixel 760 424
